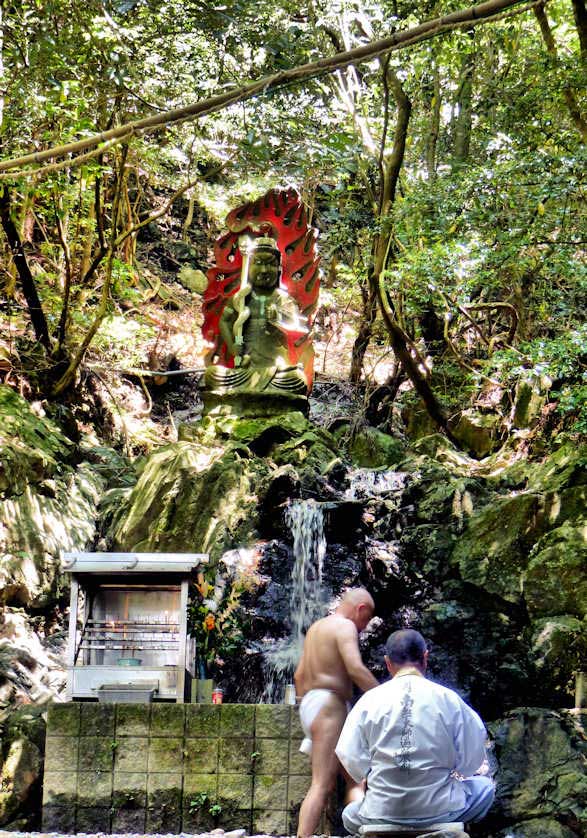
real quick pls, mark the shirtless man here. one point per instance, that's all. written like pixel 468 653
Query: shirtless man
pixel 330 664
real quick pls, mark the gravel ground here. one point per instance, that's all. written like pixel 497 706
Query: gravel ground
pixel 215 833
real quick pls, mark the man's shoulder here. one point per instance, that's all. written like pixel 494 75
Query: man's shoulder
pixel 450 695
pixel 333 624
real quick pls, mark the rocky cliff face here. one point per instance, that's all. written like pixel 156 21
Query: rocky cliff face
pixel 485 556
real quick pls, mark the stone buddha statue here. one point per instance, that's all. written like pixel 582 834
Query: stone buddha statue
pixel 257 325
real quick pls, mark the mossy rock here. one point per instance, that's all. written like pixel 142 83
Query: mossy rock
pixel 493 551
pixel 529 400
pixel 33 448
pixel 543 767
pixel 417 420
pixel 567 504
pixel 439 492
pixel 40 523
pixel 191 498
pixel 537 828
pixel 432 445
pixel 479 433
pixel 314 451
pixel 564 467
pixel 556 577
pixel 371 448
pixel 22 736
pixel 212 430
pixel 559 648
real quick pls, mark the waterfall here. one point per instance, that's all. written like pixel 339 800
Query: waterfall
pixel 307 601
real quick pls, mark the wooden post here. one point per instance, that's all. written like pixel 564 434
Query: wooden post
pixel 73 607
pixel 183 645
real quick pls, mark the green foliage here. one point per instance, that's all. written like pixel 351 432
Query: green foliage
pixel 214 621
pixel 562 358
pixel 572 402
pixel 123 338
pixel 505 223
pixel 201 802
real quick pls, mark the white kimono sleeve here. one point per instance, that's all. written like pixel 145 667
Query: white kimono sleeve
pixel 352 749
pixel 469 740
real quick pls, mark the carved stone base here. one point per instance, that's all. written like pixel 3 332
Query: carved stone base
pixel 252 404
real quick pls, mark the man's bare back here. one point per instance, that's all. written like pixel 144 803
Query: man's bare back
pixel 331 653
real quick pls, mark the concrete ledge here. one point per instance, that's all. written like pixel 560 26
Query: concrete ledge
pixel 172 768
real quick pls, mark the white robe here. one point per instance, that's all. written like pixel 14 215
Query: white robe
pixel 410 737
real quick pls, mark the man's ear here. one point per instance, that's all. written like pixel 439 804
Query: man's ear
pixel 388 664
pixel 426 653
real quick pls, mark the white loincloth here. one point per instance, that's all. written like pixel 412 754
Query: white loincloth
pixel 310 706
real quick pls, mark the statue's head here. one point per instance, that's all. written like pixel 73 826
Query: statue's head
pixel 265 264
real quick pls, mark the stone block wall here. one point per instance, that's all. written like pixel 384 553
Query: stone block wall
pixel 173 768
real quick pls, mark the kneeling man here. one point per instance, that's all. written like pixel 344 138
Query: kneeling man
pixel 416 744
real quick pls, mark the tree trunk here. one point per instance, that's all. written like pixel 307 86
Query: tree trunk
pixel 67 379
pixel 434 103
pixel 363 338
pixel 568 93
pixel 390 170
pixel 25 276
pixel 401 348
pixel 463 123
pixel 580 12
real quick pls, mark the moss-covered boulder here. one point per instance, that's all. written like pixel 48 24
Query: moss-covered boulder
pixel 556 579
pixel 33 448
pixel 478 433
pixel 559 649
pixel 191 498
pixel 46 503
pixel 21 759
pixel 493 551
pixel 530 398
pixel 206 492
pixel 417 420
pixel 369 447
pixel 542 768
pixel 563 468
pixel 537 828
pixel 511 547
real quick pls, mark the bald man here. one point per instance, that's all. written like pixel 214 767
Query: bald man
pixel 330 665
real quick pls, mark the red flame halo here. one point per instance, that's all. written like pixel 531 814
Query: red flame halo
pixel 280 214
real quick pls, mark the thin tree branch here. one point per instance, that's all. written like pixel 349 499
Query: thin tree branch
pixel 27 282
pixel 157 214
pixel 69 163
pixel 61 331
pixel 68 376
pixel 400 347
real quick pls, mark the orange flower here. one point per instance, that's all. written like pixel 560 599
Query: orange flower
pixel 209 622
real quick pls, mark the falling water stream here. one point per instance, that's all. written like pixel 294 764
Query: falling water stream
pixel 307 601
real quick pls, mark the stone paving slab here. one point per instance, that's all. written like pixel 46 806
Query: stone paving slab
pixel 215 833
